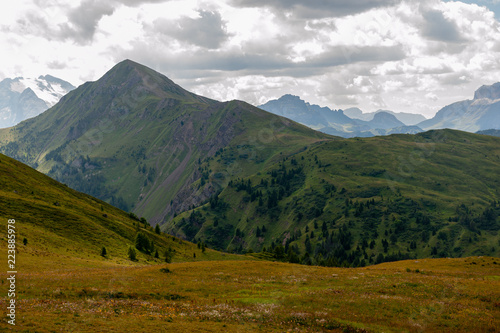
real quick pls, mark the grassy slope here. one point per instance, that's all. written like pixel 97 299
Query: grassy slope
pixel 60 222
pixel 459 295
pixel 428 174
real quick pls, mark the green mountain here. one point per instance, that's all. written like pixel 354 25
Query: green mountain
pixel 360 201
pixel 136 140
pixel 61 225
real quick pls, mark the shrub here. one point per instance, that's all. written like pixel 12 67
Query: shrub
pixel 131 254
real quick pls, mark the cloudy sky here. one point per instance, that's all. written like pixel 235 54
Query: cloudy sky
pixel 412 56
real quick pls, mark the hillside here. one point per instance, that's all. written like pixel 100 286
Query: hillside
pixel 360 201
pixel 136 139
pixel 63 225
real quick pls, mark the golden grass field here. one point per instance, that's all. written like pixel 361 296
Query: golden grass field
pixel 65 294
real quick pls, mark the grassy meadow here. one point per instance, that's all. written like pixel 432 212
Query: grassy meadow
pixel 64 294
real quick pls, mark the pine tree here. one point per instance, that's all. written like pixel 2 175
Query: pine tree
pixel 169 253
pixel 131 254
pixel 157 229
pixel 156 254
pixel 103 251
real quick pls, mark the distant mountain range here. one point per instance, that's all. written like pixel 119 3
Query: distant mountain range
pixel 481 113
pixel 408 119
pixel 337 122
pixel 23 98
pixel 492 132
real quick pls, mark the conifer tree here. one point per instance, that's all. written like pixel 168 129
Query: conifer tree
pixel 103 252
pixel 131 254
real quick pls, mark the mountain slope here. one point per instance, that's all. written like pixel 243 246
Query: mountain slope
pixel 135 139
pixel 63 225
pixel 23 98
pixel 360 201
pixel 481 113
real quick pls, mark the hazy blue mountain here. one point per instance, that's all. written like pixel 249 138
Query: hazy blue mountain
pixel 492 132
pixel 481 113
pixel 23 98
pixel 408 119
pixel 384 120
pixel 314 116
pixel 337 122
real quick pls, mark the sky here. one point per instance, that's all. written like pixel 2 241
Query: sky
pixel 404 56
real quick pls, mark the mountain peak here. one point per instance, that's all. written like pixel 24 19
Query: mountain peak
pixel 128 75
pixel 490 92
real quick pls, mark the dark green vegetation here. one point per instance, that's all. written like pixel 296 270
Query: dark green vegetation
pixel 356 202
pixel 135 139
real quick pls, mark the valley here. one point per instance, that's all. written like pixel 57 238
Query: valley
pixel 166 210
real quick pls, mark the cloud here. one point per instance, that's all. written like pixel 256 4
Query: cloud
pixel 437 27
pixel 208 30
pixel 84 19
pixel 56 64
pixel 80 25
pixel 317 8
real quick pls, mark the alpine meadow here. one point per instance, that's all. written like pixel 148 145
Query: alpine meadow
pixel 142 207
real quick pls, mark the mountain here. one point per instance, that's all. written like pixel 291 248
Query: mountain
pixel 335 122
pixel 384 120
pixel 481 113
pixel 490 132
pixel 23 98
pixel 409 119
pixel 362 200
pixel 136 140
pixel 313 116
